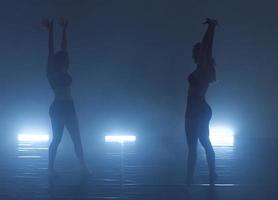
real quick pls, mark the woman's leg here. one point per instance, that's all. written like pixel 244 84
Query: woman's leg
pixel 192 139
pixel 73 128
pixel 205 141
pixel 57 130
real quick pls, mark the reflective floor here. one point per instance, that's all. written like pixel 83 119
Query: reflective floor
pixel 145 169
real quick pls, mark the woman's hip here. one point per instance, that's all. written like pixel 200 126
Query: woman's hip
pixel 61 109
pixel 198 112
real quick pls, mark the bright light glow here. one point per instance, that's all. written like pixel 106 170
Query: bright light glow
pixel 33 137
pixel 221 136
pixel 120 138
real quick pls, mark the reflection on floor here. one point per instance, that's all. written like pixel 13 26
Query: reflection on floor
pixel 141 170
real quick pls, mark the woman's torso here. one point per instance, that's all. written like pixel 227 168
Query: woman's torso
pixel 61 86
pixel 198 86
pixel 197 105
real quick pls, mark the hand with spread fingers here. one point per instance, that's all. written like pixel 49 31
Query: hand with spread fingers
pixel 210 21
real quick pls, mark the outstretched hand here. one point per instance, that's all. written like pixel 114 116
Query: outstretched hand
pixel 63 22
pixel 210 21
pixel 48 24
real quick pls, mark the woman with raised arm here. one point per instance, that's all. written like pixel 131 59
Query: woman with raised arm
pixel 62 110
pixel 198 112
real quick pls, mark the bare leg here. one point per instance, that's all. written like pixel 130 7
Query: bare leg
pixel 205 141
pixel 192 139
pixel 73 128
pixel 57 129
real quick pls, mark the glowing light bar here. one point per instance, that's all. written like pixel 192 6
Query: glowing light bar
pixel 29 157
pixel 221 136
pixel 217 185
pixel 33 137
pixel 120 138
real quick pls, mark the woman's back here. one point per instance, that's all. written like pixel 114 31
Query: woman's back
pixel 60 84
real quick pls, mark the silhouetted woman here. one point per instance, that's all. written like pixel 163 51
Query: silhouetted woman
pixel 62 110
pixel 198 112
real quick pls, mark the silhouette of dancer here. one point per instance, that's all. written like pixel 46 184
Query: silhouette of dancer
pixel 62 110
pixel 198 112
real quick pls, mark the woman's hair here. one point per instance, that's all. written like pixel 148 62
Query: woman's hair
pixel 61 60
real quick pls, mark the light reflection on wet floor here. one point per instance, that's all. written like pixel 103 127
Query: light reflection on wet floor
pixel 134 171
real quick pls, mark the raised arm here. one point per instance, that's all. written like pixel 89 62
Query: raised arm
pixel 205 53
pixel 64 24
pixel 49 26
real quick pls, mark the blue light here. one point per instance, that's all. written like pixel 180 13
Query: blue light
pixel 120 138
pixel 221 136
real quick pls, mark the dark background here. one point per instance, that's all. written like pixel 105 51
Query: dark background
pixel 130 60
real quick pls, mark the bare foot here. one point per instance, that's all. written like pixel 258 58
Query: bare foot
pixel 212 179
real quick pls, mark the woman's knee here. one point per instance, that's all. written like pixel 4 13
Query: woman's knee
pixel 207 145
pixel 72 125
pixel 56 140
pixel 192 148
pixel 77 144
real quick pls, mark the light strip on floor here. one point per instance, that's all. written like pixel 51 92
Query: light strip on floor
pixel 29 157
pixel 33 137
pixel 217 184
